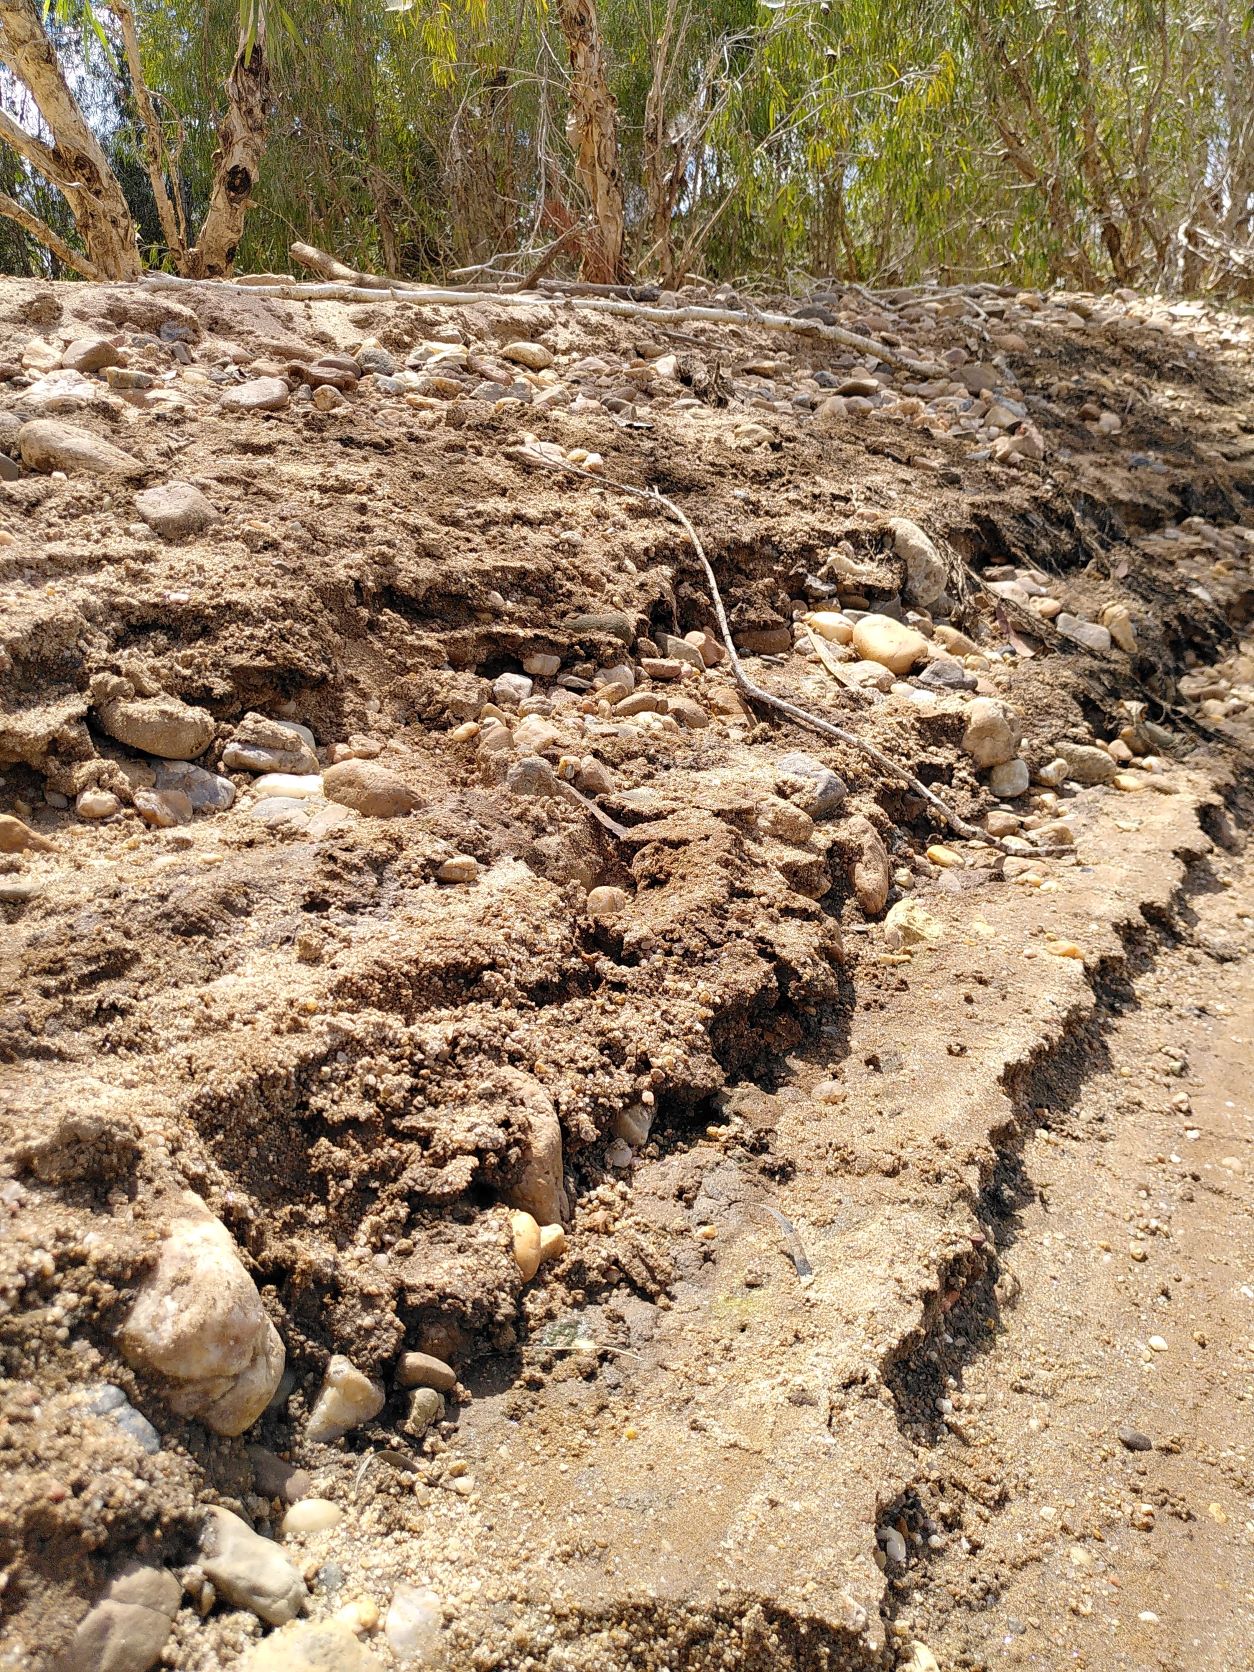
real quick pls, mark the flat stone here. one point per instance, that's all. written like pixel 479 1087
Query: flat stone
pixel 207 792
pixel 90 354
pixel 1086 633
pixel 161 725
pixel 259 394
pixel 199 1328
pixel 128 1628
pixel 248 1570
pixel 1086 763
pixel 878 638
pixel 261 744
pixel 176 510
pixel 47 444
pixel 346 1399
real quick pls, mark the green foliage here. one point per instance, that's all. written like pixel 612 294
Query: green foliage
pixel 872 140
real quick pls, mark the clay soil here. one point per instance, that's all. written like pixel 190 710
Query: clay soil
pixel 684 1449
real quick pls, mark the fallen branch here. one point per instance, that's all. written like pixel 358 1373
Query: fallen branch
pixel 40 230
pixel 327 267
pixel 754 691
pixel 369 288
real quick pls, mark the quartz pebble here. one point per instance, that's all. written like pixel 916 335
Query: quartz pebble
pixel 413 1624
pixel 346 1399
pixel 1086 633
pixel 415 1369
pixel 312 1515
pixel 96 804
pixel 199 1327
pixel 909 925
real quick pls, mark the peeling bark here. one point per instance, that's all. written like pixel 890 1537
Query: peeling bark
pixel 75 162
pixel 236 162
pixel 593 132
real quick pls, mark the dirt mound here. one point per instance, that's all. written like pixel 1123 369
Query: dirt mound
pixel 390 851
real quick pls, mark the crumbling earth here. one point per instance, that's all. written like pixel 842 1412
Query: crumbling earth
pixel 534 1138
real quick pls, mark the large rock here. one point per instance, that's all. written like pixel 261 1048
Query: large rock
pixel 90 354
pixel 369 788
pixel 198 1326
pixel 48 444
pixel 175 510
pixel 248 1570
pixel 259 394
pixel 993 732
pixel 128 1628
pixel 878 638
pixel 161 725
pixel 925 567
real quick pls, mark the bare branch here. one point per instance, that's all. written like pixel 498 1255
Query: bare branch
pixel 40 230
pixel 171 216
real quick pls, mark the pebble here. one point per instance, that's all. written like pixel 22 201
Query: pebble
pixel 1053 774
pixel 162 809
pixel 413 1624
pixel 534 356
pixel 96 804
pixel 161 725
pixel 633 1125
pixel 176 510
pixel 424 1370
pixel 541 665
pixel 248 1570
pixel 259 394
pixel 830 625
pixel 462 868
pixel 512 688
pixel 206 791
pixel 275 1478
pixel 109 1401
pixel 48 444
pixel 128 1628
pixel 321 1646
pixel 198 1325
pixel 814 787
pixel 920 1659
pixel 878 638
pixel 1086 633
pixel 1009 779
pixel 992 734
pixel 1001 824
pixel 1157 1344
pixel 909 925
pixel 296 786
pixel 16 837
pixel 607 901
pixel 90 354
pixel 346 1399
pixel 526 1243
pixel 946 674
pixel 926 574
pixel 1133 1440
pixel 426 1406
pixel 260 744
pixel 531 776
pixel 945 857
pixel 1086 763
pixel 370 789
pixel 312 1515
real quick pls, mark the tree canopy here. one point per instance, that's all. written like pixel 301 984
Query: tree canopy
pixel 873 141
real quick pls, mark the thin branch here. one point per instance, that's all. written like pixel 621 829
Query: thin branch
pixel 40 230
pixel 154 143
pixel 39 155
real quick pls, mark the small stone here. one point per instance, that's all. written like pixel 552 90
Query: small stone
pixel 327 398
pixel 198 1325
pixel 531 776
pixel 275 1478
pixel 311 1515
pixel 830 625
pixel 878 638
pixel 664 668
pixel 992 734
pixel 920 1659
pixel 785 822
pixel 1065 949
pixel 1086 633
pixel 944 673
pixel 163 809
pixel 926 574
pixel 346 1399
pixel 633 1125
pixel 48 444
pixel 1157 1344
pixel 426 1406
pixel 413 1624
pixel 1053 774
pixel 305 1646
pixel 297 786
pixel 16 837
pixel 369 789
pixel 1133 1440
pixel 260 744
pixel 96 804
pixel 512 688
pixel 1009 779
pixel 607 901
pixel 207 791
pixel 535 735
pixel 161 725
pixel 90 354
pixel 526 1243
pixel 1118 622
pixel 176 510
pixel 945 857
pixel 1130 782
pixel 248 1570
pixel 424 1370
pixel 259 394
pixel 552 1242
pixel 462 868
pixel 1002 824
pixel 541 665
pixel 909 925
pixel 689 713
pixel 1086 763
pixel 870 869
pixel 128 1628
pixel 816 788
pixel 534 356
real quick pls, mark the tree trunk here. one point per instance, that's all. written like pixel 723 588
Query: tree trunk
pixel 593 131
pixel 236 162
pixel 75 162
